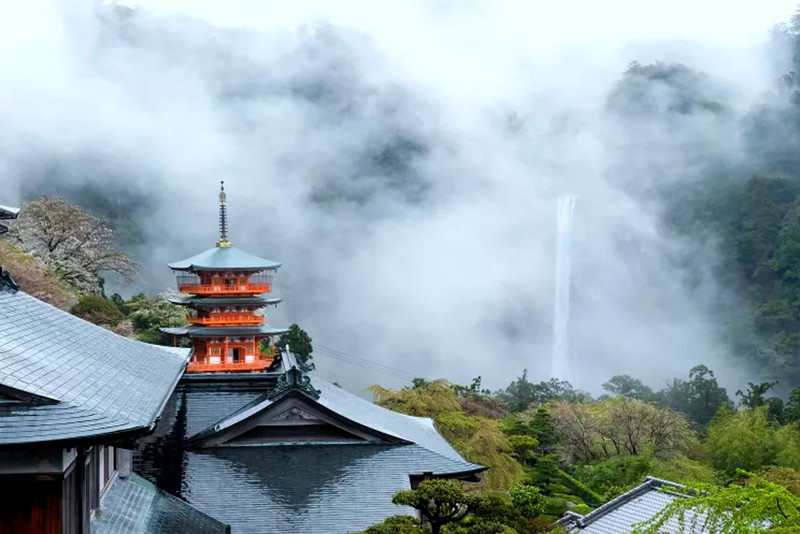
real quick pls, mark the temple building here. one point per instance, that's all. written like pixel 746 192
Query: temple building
pixel 227 289
pixel 277 449
pixel 74 400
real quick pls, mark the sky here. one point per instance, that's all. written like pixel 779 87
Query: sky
pixel 403 160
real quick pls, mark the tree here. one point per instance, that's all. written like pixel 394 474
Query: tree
pixel 119 302
pixel 149 313
pixel 78 245
pixel 700 397
pixel 754 506
pixel 440 502
pixel 791 411
pixel 299 342
pixel 397 524
pixel 753 397
pixel 744 440
pixel 97 310
pixel 545 431
pixel 630 387
pixel 620 426
pixel 522 393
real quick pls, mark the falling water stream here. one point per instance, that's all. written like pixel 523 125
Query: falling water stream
pixel 562 367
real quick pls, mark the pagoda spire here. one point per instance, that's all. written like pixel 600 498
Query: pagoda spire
pixel 223 218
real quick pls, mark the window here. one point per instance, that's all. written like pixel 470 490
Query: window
pixel 215 350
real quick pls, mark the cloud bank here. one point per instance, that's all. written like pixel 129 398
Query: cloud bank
pixel 403 161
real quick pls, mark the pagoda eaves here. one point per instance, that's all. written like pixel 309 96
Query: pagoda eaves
pixel 224 258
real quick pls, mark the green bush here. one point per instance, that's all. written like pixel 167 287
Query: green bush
pixel 97 310
pixel 527 501
pixel 397 524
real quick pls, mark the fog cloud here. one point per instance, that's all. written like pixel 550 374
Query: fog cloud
pixel 402 160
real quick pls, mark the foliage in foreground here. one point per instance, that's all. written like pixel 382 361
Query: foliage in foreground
pixel 751 507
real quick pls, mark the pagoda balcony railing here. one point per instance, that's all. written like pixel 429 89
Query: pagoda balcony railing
pixel 226 319
pixel 228 366
pixel 224 289
pixel 225 283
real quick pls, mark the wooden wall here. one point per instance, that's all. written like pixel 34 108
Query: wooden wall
pixel 30 505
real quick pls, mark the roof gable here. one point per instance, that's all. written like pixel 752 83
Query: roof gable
pixel 296 419
pixel 330 405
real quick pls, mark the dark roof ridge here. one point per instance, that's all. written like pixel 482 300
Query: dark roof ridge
pixel 650 483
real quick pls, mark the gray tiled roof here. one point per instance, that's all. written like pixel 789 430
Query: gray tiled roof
pixel 640 504
pixel 8 212
pixel 97 382
pixel 291 488
pixel 136 506
pixel 227 258
pixel 416 430
pixel 211 331
pixel 328 489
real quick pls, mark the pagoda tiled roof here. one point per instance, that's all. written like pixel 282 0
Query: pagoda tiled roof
pixel 213 331
pixel 65 379
pixel 224 258
pixel 187 300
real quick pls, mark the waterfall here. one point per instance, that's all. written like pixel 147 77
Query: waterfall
pixel 562 367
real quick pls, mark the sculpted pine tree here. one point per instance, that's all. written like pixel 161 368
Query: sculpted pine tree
pixel 440 502
pixel 75 243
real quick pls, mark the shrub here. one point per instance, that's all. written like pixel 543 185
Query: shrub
pixel 97 310
pixel 527 501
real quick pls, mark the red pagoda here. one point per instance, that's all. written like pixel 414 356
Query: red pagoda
pixel 227 289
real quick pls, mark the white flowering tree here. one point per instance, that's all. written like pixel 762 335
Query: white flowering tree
pixel 76 244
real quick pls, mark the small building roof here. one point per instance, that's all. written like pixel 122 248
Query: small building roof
pixel 215 331
pixel 224 259
pixel 7 212
pixel 64 379
pixel 135 506
pixel 619 515
pixel 188 300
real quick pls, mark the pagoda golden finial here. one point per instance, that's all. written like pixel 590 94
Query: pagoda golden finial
pixel 223 218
